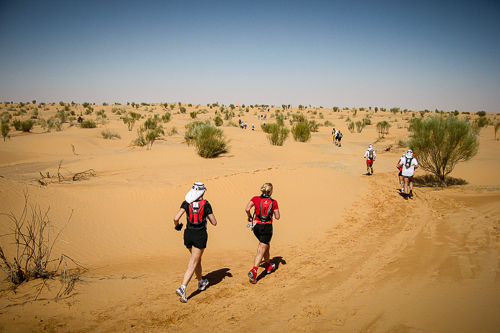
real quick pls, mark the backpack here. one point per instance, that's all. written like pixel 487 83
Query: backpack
pixel 370 154
pixel 195 213
pixel 266 208
pixel 340 135
pixel 408 162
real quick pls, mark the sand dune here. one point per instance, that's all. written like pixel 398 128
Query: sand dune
pixel 351 254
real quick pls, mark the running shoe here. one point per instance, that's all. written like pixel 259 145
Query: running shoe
pixel 202 284
pixel 181 292
pixel 270 268
pixel 252 276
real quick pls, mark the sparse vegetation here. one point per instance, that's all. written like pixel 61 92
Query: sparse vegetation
pixel 441 143
pixel 33 237
pixel 383 128
pixel 276 134
pixel 301 132
pixel 209 140
pixel 108 134
pixel 6 130
pixel 89 123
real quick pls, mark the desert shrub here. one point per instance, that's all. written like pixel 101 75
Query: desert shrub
pixel 497 126
pixel 108 134
pixel 227 114
pixel 33 236
pixel 383 128
pixel 27 125
pixel 152 135
pixel 150 123
pixel 329 123
pixel 479 123
pixel 231 123
pixel 172 131
pixel 366 121
pixel 218 121
pixel 182 109
pixel 89 123
pixel 193 114
pixel 299 117
pixel 277 134
pixel 351 127
pixel 481 113
pixel 5 117
pixel 166 117
pixel 6 129
pixel 209 140
pixel 441 143
pixel 359 126
pixel 301 132
pixel 313 126
pixel 17 124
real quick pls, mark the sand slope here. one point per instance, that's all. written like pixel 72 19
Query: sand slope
pixel 351 254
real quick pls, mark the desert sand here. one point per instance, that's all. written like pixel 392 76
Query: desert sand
pixel 352 255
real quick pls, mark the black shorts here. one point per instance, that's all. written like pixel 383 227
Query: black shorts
pixel 263 232
pixel 195 237
pixel 400 174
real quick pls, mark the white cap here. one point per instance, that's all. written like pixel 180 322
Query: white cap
pixel 370 147
pixel 196 192
pixel 409 153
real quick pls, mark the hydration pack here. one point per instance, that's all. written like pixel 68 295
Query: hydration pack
pixel 370 154
pixel 408 162
pixel 266 208
pixel 196 212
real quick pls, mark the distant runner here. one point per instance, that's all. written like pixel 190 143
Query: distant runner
pixel 195 234
pixel 400 175
pixel 409 165
pixel 265 208
pixel 370 156
pixel 339 138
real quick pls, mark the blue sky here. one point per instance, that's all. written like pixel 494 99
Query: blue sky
pixel 410 54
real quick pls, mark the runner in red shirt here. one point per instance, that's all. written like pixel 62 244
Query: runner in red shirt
pixel 265 208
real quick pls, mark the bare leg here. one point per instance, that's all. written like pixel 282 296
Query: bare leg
pixel 406 185
pixel 262 252
pixel 194 265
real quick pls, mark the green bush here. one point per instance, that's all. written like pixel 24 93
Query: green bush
pixel 218 121
pixel 108 134
pixel 5 130
pixel 359 126
pixel 277 134
pixel 441 143
pixel 182 109
pixel 328 123
pixel 166 117
pixel 88 124
pixel 351 126
pixel 301 132
pixel 481 113
pixel 193 114
pixel 313 126
pixel 27 125
pixel 209 140
pixel 383 128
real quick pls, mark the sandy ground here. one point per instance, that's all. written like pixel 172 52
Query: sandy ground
pixel 351 254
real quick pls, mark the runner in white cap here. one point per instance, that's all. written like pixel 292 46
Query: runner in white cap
pixel 195 234
pixel 409 165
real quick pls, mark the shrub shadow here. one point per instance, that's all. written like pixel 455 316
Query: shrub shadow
pixel 432 181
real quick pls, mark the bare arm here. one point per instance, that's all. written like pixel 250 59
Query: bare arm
pixel 178 216
pixel 276 213
pixel 247 210
pixel 212 219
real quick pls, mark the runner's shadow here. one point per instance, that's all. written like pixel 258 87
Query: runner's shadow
pixel 214 278
pixel 275 260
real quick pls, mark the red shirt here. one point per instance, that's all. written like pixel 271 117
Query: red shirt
pixel 256 203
